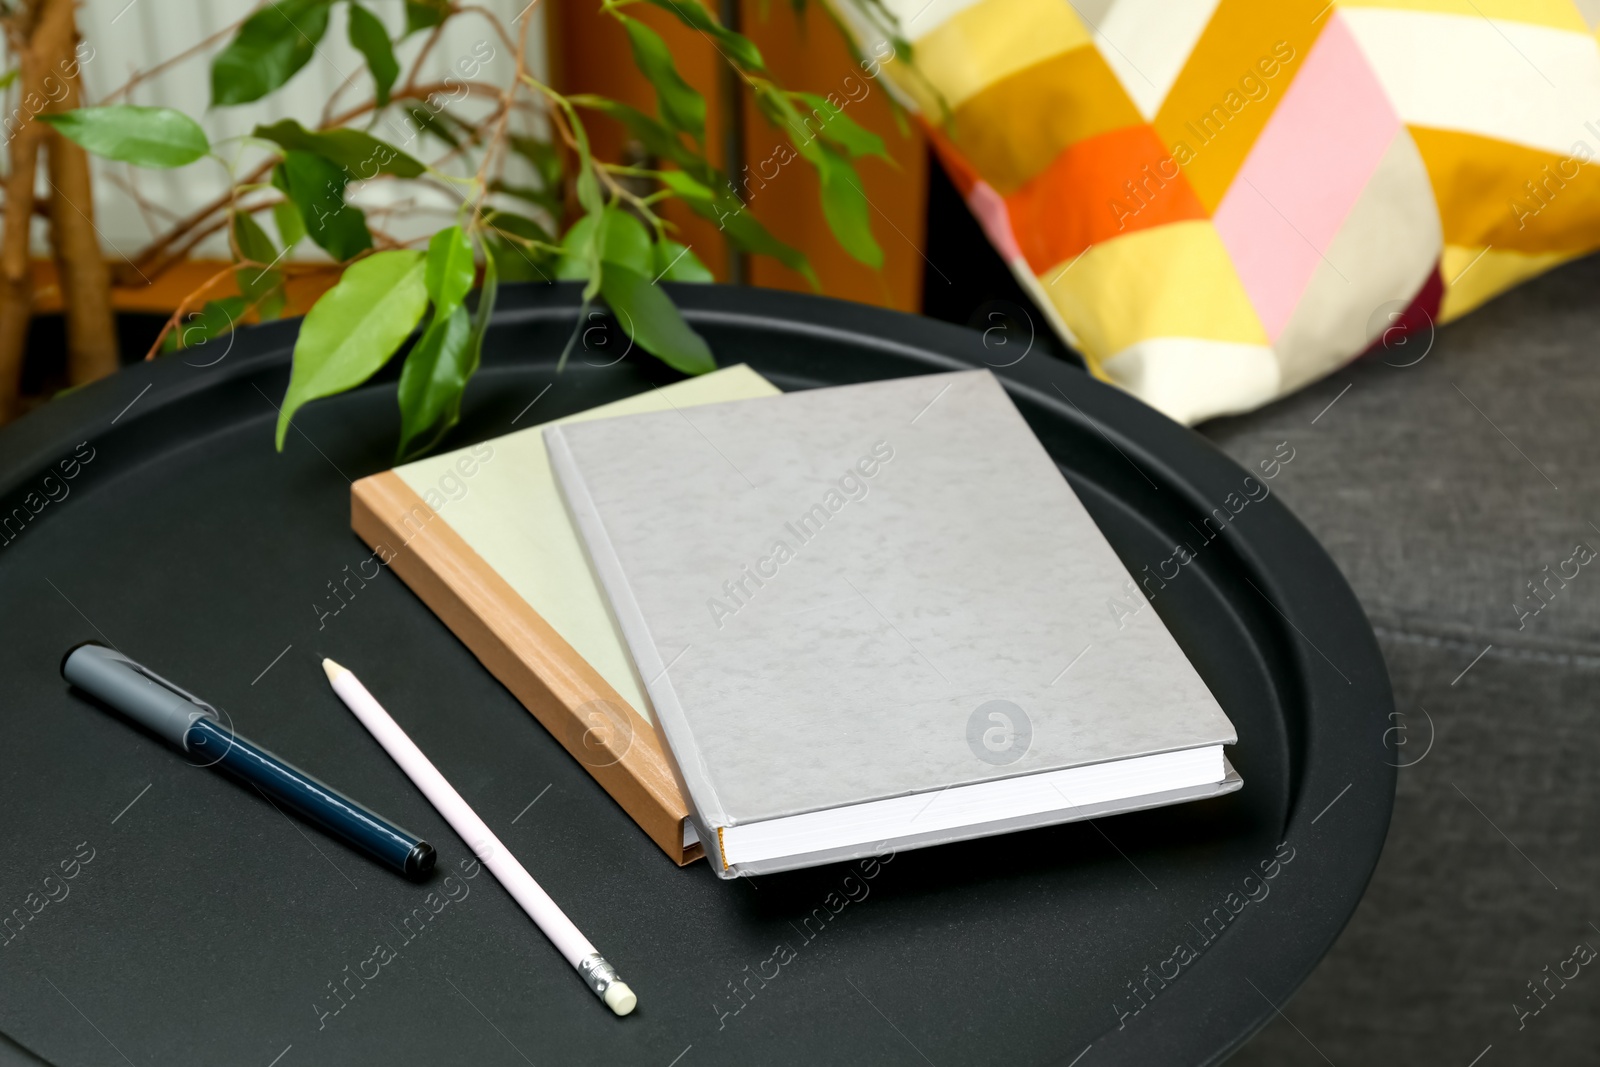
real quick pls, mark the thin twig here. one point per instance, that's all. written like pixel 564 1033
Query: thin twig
pixel 146 75
pixel 496 24
pixel 184 304
pixel 148 254
pixel 496 142
pixel 422 56
pixel 126 183
pixel 178 255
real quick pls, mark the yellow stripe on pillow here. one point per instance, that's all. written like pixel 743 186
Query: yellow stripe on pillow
pixel 977 47
pixel 1512 198
pixel 1170 281
pixel 1559 14
pixel 1473 276
pixel 1014 129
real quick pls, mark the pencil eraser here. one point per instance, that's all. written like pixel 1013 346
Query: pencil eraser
pixel 620 999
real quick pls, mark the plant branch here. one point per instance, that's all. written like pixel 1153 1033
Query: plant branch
pixel 166 64
pixel 156 250
pixel 186 303
pixel 422 56
pixel 499 27
pixel 495 145
pixel 152 259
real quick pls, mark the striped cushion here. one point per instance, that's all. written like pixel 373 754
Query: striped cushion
pixel 1223 200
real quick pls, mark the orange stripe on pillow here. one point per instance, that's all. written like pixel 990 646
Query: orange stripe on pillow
pixel 1118 182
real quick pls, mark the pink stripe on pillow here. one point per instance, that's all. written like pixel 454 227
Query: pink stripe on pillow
pixel 990 209
pixel 1305 173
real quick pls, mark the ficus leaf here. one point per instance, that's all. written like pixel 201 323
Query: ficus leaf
pixel 736 46
pixel 517 261
pixel 425 14
pixel 317 188
pixel 521 264
pixel 272 305
pixel 359 154
pixel 522 247
pixel 835 126
pixel 143 136
pixel 685 186
pixel 354 328
pixel 587 183
pixel 587 186
pixel 543 155
pixel 749 235
pixel 291 227
pixel 436 123
pixel 726 210
pixel 269 49
pixel 575 262
pixel 844 203
pixel 434 375
pixel 436 371
pixel 252 241
pixel 487 296
pixel 368 36
pixel 657 140
pixel 549 200
pixel 679 103
pixel 623 241
pixel 508 222
pixel 845 207
pixel 255 282
pixel 450 269
pixel 648 316
pixel 781 112
pixel 676 263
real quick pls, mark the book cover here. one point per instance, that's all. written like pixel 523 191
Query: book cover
pixel 877 593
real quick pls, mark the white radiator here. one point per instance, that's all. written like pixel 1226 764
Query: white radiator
pixel 131 36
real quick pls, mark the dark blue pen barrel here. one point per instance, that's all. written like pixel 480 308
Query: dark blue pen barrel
pixel 215 745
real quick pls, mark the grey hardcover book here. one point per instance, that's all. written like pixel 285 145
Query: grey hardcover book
pixel 877 617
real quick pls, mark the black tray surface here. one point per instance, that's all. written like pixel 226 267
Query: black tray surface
pixel 207 928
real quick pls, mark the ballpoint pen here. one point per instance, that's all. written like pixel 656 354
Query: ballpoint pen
pixel 191 726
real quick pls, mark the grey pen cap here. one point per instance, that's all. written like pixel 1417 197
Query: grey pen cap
pixel 135 691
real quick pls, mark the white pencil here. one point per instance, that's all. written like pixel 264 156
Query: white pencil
pixel 568 939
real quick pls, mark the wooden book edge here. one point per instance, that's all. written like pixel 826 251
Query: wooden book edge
pixel 617 746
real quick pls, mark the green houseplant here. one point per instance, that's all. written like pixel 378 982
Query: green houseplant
pixel 578 218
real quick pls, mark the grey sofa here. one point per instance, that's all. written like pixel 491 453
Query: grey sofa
pixel 1442 489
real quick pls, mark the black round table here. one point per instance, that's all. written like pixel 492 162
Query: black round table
pixel 199 925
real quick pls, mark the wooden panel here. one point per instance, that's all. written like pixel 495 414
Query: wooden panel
pixel 528 657
pixel 813 57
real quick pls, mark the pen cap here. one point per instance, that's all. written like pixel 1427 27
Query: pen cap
pixel 135 691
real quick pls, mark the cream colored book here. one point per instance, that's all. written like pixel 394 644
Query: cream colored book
pixel 482 536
